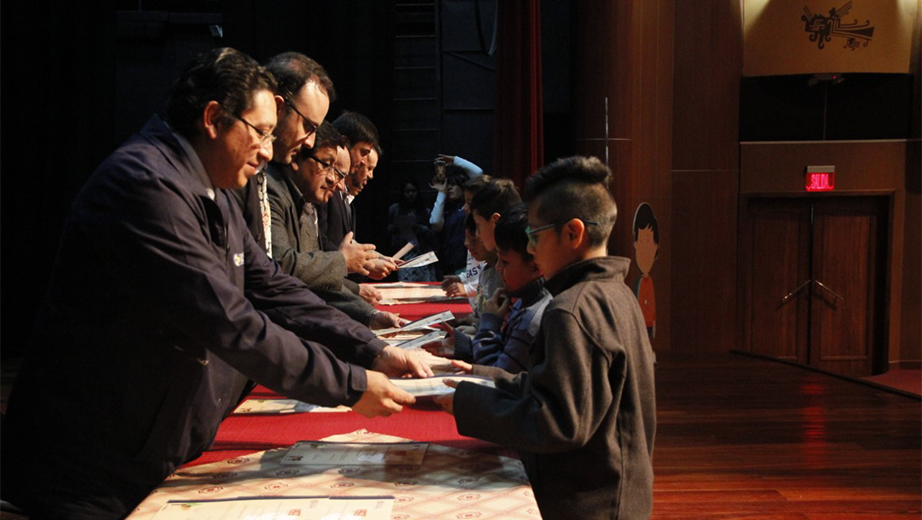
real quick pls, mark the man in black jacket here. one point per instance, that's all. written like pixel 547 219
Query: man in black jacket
pixel 161 305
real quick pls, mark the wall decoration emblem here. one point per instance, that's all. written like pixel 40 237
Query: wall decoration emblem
pixel 823 28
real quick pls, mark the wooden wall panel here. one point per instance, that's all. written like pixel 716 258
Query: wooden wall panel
pixel 708 63
pixel 624 52
pixel 704 242
pixel 704 174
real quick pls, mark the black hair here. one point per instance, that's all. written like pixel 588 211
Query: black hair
pixel 574 187
pixel 456 177
pixel 401 199
pixel 472 186
pixel 510 231
pixel 224 75
pixel 495 197
pixel 469 224
pixel 644 219
pixel 293 70
pixel 327 137
pixel 357 129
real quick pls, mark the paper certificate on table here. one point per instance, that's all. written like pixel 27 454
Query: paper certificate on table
pixel 421 323
pixel 320 453
pixel 279 508
pixel 421 260
pixel 281 406
pixel 435 386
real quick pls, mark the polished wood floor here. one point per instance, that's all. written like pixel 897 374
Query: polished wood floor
pixel 741 437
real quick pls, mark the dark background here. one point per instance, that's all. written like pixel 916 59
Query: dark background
pixel 78 78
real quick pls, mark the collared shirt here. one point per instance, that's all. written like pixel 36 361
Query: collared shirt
pixel 196 164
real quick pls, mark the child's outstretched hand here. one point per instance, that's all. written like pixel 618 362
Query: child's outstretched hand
pixel 498 304
pixel 463 367
pixel 440 347
pixel 447 401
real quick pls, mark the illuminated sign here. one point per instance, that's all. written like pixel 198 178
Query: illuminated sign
pixel 820 178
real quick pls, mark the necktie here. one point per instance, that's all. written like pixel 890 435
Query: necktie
pixel 264 210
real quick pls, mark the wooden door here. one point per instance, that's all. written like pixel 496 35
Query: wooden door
pixel 813 273
pixel 848 245
pixel 777 274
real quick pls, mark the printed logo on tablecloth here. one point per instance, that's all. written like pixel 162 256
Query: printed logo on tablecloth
pixel 275 486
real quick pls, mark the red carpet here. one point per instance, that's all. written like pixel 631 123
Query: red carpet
pixel 907 380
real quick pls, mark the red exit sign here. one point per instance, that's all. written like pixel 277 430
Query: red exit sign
pixel 820 178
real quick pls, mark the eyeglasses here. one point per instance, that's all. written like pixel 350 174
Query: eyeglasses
pixel 309 127
pixel 532 233
pixel 265 138
pixel 328 167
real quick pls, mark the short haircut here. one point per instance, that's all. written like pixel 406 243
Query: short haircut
pixel 470 225
pixel 574 187
pixel 472 186
pixel 357 129
pixel 644 219
pixel 327 137
pixel 458 179
pixel 495 197
pixel 225 75
pixel 510 231
pixel 293 70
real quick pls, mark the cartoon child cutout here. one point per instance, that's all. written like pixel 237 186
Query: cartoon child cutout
pixel 646 248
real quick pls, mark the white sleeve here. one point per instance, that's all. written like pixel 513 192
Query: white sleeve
pixel 437 216
pixel 470 168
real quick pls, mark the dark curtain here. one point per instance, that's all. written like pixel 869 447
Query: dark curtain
pixel 519 127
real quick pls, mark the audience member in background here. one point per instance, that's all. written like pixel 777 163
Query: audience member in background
pixel 488 204
pixel 305 92
pixel 161 305
pixel 584 415
pixel 447 217
pixel 293 190
pixel 503 340
pixel 447 166
pixel 465 284
pixel 408 222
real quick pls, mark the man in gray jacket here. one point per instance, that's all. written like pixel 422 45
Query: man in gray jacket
pixel 293 191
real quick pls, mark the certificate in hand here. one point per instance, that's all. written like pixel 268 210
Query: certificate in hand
pixel 435 386
pixel 320 453
pixel 421 323
pixel 421 260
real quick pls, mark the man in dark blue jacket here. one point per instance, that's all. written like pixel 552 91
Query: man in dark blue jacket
pixel 161 305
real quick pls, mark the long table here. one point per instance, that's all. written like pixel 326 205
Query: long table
pixel 461 475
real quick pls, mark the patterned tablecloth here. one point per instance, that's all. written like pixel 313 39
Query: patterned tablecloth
pixel 450 484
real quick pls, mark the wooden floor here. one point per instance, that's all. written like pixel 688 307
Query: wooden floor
pixel 747 438
pixel 740 437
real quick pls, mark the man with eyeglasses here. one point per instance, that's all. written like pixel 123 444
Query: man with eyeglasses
pixel 161 306
pixel 293 190
pixel 303 99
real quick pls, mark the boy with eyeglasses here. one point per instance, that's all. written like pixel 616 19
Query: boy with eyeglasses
pixel 512 314
pixel 584 416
